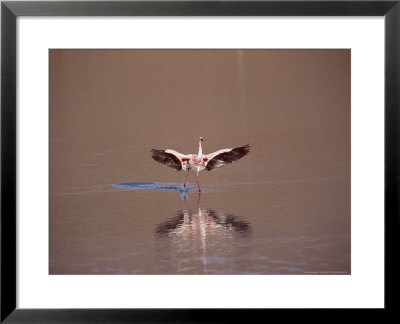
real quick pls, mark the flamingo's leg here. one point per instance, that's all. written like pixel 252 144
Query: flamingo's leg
pixel 187 172
pixel 198 201
pixel 197 180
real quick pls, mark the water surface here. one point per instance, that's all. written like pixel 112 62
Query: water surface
pixel 283 209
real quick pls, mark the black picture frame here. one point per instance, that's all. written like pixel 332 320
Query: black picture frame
pixel 10 10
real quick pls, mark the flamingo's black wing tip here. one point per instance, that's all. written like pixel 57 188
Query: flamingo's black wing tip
pixel 167 159
pixel 242 150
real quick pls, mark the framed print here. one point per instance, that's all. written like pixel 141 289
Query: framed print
pixel 108 106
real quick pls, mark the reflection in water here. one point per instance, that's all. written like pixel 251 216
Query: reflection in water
pixel 194 218
pixel 201 236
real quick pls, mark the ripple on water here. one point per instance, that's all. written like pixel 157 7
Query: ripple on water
pixel 156 186
pixel 153 186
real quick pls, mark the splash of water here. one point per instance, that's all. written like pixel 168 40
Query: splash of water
pixel 158 186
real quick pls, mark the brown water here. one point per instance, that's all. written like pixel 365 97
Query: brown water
pixel 283 209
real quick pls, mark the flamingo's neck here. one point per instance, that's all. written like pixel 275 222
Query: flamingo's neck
pixel 200 150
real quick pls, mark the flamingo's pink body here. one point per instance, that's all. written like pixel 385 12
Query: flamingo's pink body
pixel 198 162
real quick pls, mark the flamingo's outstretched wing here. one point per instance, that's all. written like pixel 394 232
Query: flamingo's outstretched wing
pixel 170 158
pixel 225 156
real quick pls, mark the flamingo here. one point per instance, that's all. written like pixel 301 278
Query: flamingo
pixel 199 162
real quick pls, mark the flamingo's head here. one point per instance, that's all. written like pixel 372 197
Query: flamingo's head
pixel 201 139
